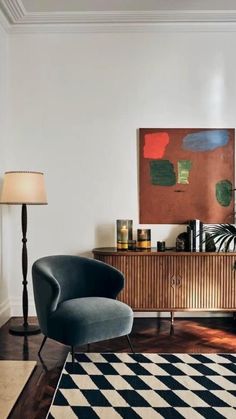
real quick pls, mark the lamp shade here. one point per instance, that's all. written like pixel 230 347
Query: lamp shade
pixel 23 188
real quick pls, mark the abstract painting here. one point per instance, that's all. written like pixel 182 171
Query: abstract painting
pixel 186 174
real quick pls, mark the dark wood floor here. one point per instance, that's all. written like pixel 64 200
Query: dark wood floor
pixel 149 335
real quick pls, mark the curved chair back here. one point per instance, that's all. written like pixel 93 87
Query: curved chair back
pixel 64 277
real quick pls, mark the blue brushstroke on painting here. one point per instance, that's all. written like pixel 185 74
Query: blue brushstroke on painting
pixel 205 140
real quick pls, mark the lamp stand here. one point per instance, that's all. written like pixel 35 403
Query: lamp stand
pixel 25 329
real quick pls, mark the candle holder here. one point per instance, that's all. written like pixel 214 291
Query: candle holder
pixel 124 233
pixel 161 246
pixel 132 245
pixel 143 239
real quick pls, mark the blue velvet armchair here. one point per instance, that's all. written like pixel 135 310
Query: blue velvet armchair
pixel 75 299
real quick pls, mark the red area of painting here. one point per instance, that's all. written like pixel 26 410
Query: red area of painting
pixel 155 145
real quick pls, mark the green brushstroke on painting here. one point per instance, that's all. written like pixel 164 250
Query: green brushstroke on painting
pixel 184 167
pixel 224 192
pixel 162 173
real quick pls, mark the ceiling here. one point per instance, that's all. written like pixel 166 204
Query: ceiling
pixel 81 12
pixel 53 6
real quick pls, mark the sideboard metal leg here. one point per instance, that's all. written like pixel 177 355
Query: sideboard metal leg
pixel 158 324
pixel 172 331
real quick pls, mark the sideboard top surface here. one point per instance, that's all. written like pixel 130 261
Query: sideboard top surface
pixel 151 252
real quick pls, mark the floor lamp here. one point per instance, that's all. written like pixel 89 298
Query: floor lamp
pixel 24 188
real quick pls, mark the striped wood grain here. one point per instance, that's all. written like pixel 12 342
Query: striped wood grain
pixel 173 281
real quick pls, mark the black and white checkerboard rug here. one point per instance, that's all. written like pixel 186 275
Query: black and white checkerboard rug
pixel 131 386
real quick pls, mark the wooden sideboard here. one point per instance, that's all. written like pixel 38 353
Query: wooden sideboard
pixel 175 281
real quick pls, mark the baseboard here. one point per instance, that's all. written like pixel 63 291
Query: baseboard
pixel 184 314
pixel 5 312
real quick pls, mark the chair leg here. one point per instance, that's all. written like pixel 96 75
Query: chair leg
pixel 73 354
pixel 88 347
pixel 130 344
pixel 42 345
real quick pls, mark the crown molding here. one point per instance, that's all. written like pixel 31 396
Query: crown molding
pixel 14 10
pixel 107 17
pixel 4 24
pixel 120 28
pixel 20 21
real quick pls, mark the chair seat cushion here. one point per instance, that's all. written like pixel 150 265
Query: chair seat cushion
pixel 90 319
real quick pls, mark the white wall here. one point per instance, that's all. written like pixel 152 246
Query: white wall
pixel 76 103
pixel 4 300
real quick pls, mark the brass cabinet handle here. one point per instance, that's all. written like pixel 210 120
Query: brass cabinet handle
pixel 178 282
pixel 172 281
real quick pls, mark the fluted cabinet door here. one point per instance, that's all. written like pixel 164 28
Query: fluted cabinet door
pixel 146 280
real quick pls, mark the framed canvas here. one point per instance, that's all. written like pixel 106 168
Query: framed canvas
pixel 186 174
